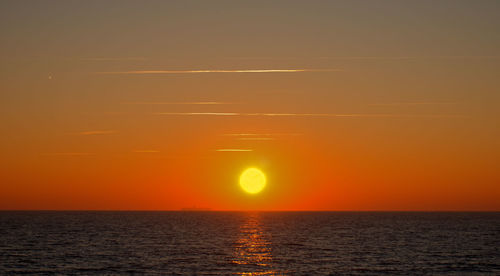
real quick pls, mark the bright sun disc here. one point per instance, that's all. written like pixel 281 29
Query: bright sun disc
pixel 252 180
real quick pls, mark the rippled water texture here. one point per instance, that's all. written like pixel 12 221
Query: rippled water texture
pixel 268 243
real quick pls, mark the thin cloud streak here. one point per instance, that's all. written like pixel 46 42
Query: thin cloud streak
pixel 69 154
pixel 366 57
pixel 261 134
pixel 307 115
pixel 201 113
pixel 148 72
pixel 113 59
pixel 96 132
pixel 177 103
pixel 256 138
pixel 408 57
pixel 234 150
pixel 412 103
pixel 146 151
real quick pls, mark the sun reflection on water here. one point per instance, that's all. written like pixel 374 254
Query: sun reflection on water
pixel 252 250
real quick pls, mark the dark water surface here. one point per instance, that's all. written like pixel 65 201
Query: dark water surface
pixel 266 243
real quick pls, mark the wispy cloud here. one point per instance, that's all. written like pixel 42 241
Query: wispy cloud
pixel 261 134
pixel 146 151
pixel 148 72
pixel 234 150
pixel 68 154
pixel 201 113
pixel 368 57
pixel 113 58
pixel 177 103
pixel 256 138
pixel 406 57
pixel 412 103
pixel 360 115
pixel 95 132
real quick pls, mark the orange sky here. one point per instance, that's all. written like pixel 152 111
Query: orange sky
pixel 345 105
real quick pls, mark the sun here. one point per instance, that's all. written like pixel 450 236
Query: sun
pixel 253 180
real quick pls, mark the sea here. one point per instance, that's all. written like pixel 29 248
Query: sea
pixel 249 243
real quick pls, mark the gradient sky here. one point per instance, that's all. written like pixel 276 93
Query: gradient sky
pixel 159 105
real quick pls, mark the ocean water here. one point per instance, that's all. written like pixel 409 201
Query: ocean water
pixel 239 243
